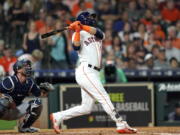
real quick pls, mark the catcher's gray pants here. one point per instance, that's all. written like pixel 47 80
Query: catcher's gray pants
pixel 8 113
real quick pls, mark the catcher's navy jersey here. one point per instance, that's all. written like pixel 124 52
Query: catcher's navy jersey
pixel 17 90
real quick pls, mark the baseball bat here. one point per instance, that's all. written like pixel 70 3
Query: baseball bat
pixel 52 33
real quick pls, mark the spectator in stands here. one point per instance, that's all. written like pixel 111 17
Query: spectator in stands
pixel 149 61
pixel 126 29
pixel 157 19
pixel 178 29
pixel 18 17
pixel 108 41
pixel 2 72
pixel 82 5
pixel 134 24
pixel 151 42
pixel 141 6
pixel 33 6
pixel 64 14
pixel 141 33
pixel 175 115
pixel 158 32
pixel 40 22
pixel 2 22
pixel 8 59
pixel 161 62
pixel 49 24
pixel 108 32
pixel 35 58
pixel 131 50
pixel 132 10
pixel 147 20
pixel 16 13
pixel 106 10
pixel 120 21
pixel 174 64
pixel 171 51
pixel 172 34
pixel 140 51
pixel 152 5
pixel 118 47
pixel 170 13
pixel 127 39
pixel 132 63
pixel 59 52
pixel 31 39
pixel 70 3
pixel 1 48
pixel 155 50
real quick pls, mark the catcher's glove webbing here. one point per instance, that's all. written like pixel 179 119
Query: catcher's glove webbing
pixel 47 87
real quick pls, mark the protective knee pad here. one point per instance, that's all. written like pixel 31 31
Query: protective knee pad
pixel 33 113
pixel 35 107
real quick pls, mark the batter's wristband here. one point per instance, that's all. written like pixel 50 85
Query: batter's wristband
pixel 77 37
pixel 86 28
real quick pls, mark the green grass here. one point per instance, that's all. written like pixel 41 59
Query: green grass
pixel 7 124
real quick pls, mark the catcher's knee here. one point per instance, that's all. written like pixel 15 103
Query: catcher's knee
pixel 35 107
pixel 33 113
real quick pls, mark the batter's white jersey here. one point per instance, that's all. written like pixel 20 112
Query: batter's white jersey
pixel 88 79
pixel 91 49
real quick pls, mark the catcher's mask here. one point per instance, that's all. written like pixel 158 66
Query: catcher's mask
pixel 26 64
pixel 87 18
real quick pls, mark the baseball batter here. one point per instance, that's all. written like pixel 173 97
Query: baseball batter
pixel 87 40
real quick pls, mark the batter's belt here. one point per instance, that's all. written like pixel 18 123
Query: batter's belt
pixel 94 67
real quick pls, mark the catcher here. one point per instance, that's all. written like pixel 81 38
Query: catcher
pixel 14 89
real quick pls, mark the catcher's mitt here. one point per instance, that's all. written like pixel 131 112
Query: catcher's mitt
pixel 47 87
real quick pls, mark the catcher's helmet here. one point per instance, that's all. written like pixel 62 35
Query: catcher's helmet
pixel 87 18
pixel 26 64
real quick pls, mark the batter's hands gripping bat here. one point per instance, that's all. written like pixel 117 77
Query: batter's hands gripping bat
pixel 53 32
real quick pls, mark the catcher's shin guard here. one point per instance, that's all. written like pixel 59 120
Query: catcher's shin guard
pixel 33 113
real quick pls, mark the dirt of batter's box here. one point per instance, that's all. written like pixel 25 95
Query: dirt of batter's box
pixel 101 131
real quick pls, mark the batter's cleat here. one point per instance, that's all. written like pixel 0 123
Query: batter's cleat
pixel 55 124
pixel 28 130
pixel 124 128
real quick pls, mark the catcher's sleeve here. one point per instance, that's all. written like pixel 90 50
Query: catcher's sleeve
pixel 7 85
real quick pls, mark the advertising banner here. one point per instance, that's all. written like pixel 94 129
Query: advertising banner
pixel 134 102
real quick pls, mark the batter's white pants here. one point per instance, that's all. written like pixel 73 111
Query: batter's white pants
pixel 91 90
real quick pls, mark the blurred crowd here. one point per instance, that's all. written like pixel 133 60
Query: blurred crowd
pixel 140 34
